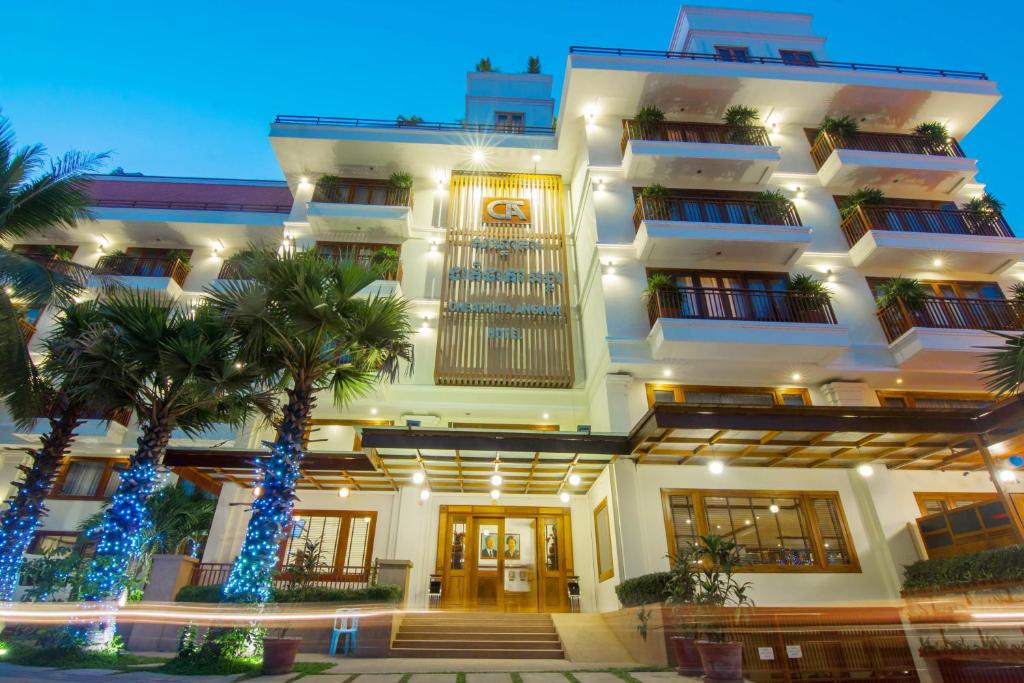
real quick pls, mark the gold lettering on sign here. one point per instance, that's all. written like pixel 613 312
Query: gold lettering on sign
pixel 505 297
pixel 505 211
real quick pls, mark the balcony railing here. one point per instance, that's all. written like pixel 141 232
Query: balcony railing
pixel 144 266
pixel 714 57
pixel 933 221
pixel 27 330
pixel 355 192
pixel 421 125
pixel 720 303
pixel 191 206
pixel 364 257
pixel 958 314
pixel 894 143
pixel 233 270
pixel 707 210
pixel 681 131
pixel 324 576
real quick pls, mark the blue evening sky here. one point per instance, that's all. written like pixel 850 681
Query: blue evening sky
pixel 189 88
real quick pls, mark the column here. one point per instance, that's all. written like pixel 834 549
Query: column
pixel 626 522
pixel 846 394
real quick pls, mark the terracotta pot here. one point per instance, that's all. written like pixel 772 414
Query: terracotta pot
pixel 723 662
pixel 687 657
pixel 279 655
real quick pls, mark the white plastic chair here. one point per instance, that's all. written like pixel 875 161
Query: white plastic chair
pixel 346 622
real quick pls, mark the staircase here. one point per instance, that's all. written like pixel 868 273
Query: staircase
pixel 477 635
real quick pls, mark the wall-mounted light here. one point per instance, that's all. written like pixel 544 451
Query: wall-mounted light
pixel 899 380
pixel 608 268
pixel 433 246
pixel 536 158
pixel 800 194
pixel 599 184
pixel 304 180
pixel 830 276
pixel 425 494
pixel 496 479
pixel 667 372
pixel 373 411
pixel 495 494
pixel 478 156
pixel 937 262
pixel 865 470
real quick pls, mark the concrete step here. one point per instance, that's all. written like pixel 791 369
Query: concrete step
pixel 483 634
pixel 477 654
pixel 411 644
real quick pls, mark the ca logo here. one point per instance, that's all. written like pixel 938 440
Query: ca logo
pixel 503 210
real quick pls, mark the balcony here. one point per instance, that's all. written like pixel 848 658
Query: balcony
pixel 687 230
pixel 656 151
pixel 691 323
pixel 96 428
pixel 373 207
pixel 389 275
pixel 881 159
pixel 945 333
pixel 144 272
pixel 891 237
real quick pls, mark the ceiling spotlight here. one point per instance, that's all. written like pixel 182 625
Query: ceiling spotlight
pixel 716 467
pixel 496 479
pixel 667 372
pixel 478 156
pixel 545 416
pixel 495 494
pixel 425 494
pixel 937 262
pixel 575 479
pixel 899 380
pixel 797 377
pixel 773 508
pixel 564 496
pixel 1006 475
pixel 418 477
pixel 865 470
pixel 343 492
pixel 304 179
pixel 373 411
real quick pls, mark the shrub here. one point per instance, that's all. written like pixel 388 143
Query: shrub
pixel 649 115
pixel 644 590
pixel 838 125
pixel 740 115
pixel 1002 564
pixel 533 65
pixel 379 593
pixel 401 180
pixel 908 290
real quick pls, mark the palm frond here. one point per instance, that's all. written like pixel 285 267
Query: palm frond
pixel 1003 368
pixel 37 284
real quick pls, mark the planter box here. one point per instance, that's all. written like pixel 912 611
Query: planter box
pixel 975 668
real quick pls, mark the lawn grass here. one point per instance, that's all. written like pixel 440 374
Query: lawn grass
pixel 19 653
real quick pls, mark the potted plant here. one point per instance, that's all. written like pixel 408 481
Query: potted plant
pixel 680 589
pixel 742 120
pixel 183 255
pixel 815 295
pixel 837 126
pixel 400 180
pixel 865 196
pixel 533 65
pixel 413 120
pixel 645 122
pixel 908 291
pixel 773 207
pixel 658 282
pixel 484 64
pixel 936 136
pixel 987 210
pixel 279 651
pixel 715 588
pixel 385 261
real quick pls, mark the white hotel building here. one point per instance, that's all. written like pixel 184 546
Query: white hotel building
pixel 726 403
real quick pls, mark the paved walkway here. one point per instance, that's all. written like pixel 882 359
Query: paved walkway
pixel 444 672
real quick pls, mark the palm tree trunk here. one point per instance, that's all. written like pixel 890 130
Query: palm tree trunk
pixel 250 579
pixel 26 509
pixel 120 537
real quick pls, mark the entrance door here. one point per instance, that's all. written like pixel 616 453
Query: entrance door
pixel 521 553
pixel 487 562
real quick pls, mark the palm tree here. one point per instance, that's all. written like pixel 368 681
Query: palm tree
pixel 48 393
pixel 302 316
pixel 1003 368
pixel 177 369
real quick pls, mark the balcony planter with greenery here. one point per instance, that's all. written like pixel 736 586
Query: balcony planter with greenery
pixel 400 180
pixel 988 210
pixel 816 295
pixel 837 126
pixel 864 197
pixel 484 65
pixel 908 291
pixel 411 121
pixel 646 121
pixel 773 207
pixel 658 282
pixel 742 119
pixel 936 136
pixel 1001 567
pixel 385 261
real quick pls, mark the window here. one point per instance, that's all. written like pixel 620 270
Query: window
pixel 47 541
pixel 923 399
pixel 509 121
pixel 603 541
pixel 798 57
pixel 774 530
pixel 345 541
pixel 731 53
pixel 90 478
pixel 744 396
pixel 934 503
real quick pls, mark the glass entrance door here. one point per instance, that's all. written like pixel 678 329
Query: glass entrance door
pixel 520 554
pixel 486 583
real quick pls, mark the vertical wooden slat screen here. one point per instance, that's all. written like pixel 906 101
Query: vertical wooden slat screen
pixel 543 356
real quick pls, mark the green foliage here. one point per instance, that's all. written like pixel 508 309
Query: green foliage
pixel 1017 291
pixel 484 64
pixel 838 126
pixel 774 205
pixel 908 290
pixel 865 196
pixel 385 260
pixel 654 191
pixel 649 115
pixel 934 131
pixel 24 654
pixel 644 590
pixel 401 180
pixel 814 289
pixel 953 573
pixel 740 115
pixel 657 282
pixel 533 65
pixel 378 593
pixel 300 573
pixel 714 581
pixel 1003 367
pixel 183 255
pixel 986 203
pixel 52 572
pixel 409 120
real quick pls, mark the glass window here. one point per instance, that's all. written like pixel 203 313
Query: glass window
pixel 664 396
pixel 458 550
pixel 794 399
pixel 731 398
pixel 343 537
pixel 779 530
pixel 551 545
pixel 798 57
pixel 733 54
pixel 82 478
pixel 46 542
pixel 511 121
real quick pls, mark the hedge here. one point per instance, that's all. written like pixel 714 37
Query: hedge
pixel 379 593
pixel 643 590
pixel 1002 564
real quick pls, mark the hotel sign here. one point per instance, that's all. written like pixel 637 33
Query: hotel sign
pixel 505 211
pixel 505 297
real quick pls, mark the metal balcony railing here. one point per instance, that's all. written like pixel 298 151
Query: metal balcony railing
pixel 681 131
pixel 958 314
pixel 778 61
pixel 933 221
pixel 690 209
pixel 363 255
pixel 356 192
pixel 343 122
pixel 144 266
pixel 894 143
pixel 720 303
